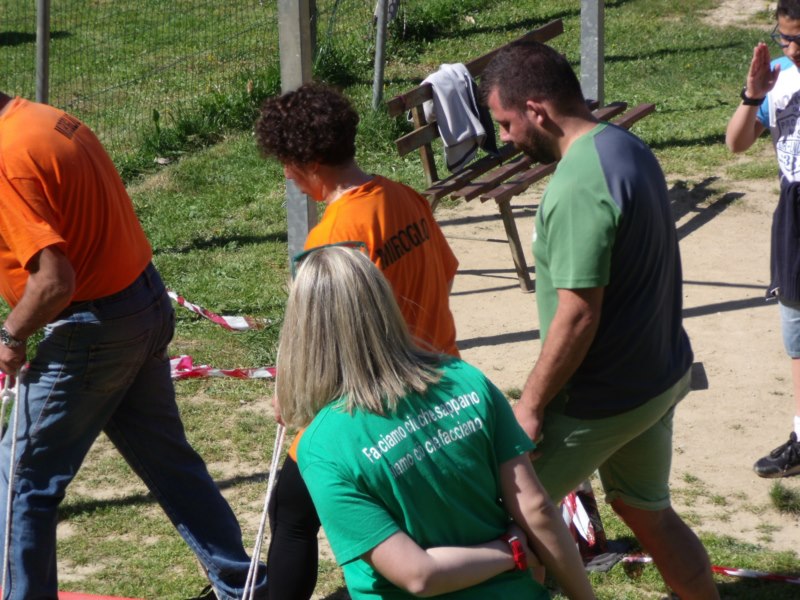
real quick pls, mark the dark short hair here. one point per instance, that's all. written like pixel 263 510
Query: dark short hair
pixel 788 8
pixel 529 70
pixel 313 123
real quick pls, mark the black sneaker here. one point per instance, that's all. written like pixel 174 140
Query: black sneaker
pixel 784 461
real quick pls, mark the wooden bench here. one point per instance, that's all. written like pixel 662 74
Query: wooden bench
pixel 500 177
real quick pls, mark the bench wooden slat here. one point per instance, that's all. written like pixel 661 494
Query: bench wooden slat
pixel 609 111
pixel 473 189
pixel 540 34
pixel 420 94
pixel 503 193
pixel 496 177
pixel 635 114
pixel 403 102
pixel 446 186
pixel 425 152
pixel 508 190
pixel 467 176
pixel 419 137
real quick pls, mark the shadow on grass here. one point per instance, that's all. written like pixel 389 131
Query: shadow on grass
pixel 18 38
pixel 73 509
pixel 527 23
pixel 706 140
pixel 618 58
pixel 222 242
pixel 340 594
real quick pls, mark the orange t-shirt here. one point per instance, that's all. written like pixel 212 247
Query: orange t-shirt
pixel 406 243
pixel 59 187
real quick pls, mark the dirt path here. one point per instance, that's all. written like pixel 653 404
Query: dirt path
pixel 746 406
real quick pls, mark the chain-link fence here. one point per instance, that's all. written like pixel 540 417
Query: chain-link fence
pixel 129 65
pixel 345 41
pixel 18 47
pixel 132 69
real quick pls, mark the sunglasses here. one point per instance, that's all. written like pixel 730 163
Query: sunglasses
pixel 783 40
pixel 298 259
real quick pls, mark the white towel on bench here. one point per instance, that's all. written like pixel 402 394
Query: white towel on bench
pixel 455 109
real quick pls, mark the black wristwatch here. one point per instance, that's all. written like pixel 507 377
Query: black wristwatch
pixel 747 100
pixel 9 340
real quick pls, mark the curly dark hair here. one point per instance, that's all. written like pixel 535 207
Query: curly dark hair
pixel 313 123
pixel 530 70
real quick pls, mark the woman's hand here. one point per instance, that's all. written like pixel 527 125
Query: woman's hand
pixel 534 564
pixel 530 555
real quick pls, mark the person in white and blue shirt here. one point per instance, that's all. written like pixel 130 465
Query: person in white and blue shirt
pixel 771 101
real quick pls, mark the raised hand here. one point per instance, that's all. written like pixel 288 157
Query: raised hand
pixel 761 77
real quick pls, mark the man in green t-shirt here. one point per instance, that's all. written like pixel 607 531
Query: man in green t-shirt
pixel 615 358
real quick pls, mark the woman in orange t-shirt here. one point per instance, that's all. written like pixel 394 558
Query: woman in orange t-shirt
pixel 312 131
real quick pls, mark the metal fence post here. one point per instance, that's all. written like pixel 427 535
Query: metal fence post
pixel 593 49
pixel 43 51
pixel 295 42
pixel 380 53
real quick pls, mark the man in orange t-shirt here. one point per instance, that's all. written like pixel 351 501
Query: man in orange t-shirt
pixel 75 261
pixel 312 131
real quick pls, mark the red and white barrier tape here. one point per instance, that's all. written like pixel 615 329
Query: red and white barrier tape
pixel 731 572
pixel 754 574
pixel 228 322
pixel 183 367
pixel 574 513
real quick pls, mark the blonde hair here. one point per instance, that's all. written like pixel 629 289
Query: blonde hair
pixel 344 337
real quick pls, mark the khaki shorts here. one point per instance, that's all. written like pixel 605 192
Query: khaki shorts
pixel 632 451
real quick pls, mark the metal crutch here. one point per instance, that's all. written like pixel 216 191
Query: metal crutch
pixel 249 586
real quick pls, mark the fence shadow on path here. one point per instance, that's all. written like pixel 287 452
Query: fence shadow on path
pixel 694 200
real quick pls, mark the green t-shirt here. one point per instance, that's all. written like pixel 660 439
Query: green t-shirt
pixel 605 221
pixel 575 229
pixel 429 469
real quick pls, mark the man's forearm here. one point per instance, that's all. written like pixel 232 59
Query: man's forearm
pixel 440 570
pixel 49 290
pixel 561 356
pixel 568 340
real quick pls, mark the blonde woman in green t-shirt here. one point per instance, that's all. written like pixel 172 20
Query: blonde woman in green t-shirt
pixel 414 460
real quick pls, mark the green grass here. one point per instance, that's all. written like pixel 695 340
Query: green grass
pixel 784 499
pixel 153 76
pixel 217 221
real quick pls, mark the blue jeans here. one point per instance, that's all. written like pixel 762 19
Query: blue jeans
pixel 103 366
pixel 790 326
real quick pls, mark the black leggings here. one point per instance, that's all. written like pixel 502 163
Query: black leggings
pixel 293 556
